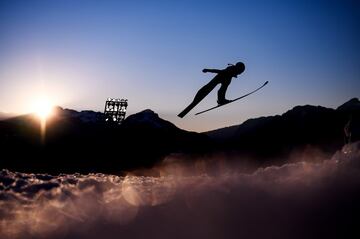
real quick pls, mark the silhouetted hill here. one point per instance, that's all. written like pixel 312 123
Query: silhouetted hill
pixel 5 115
pixel 149 119
pixel 85 116
pixel 81 141
pixel 302 126
pixel 351 105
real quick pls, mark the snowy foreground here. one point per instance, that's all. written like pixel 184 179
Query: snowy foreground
pixel 298 200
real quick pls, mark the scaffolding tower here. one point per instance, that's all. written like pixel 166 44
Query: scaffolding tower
pixel 115 110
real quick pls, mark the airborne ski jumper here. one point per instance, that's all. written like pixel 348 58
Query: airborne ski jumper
pixel 223 77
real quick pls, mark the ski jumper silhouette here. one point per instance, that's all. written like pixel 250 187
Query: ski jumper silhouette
pixel 223 77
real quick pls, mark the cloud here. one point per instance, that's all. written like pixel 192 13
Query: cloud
pixel 296 200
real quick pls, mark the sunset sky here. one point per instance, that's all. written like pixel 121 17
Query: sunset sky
pixel 78 53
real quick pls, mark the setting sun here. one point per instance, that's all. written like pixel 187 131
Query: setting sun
pixel 42 108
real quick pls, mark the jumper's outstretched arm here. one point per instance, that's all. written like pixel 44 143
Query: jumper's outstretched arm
pixel 211 70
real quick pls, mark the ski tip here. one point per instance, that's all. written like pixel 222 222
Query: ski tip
pixel 266 82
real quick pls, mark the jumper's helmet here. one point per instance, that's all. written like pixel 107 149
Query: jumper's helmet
pixel 240 66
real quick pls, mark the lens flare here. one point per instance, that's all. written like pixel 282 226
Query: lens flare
pixel 43 109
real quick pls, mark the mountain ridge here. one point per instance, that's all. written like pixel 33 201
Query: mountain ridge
pixel 352 104
pixel 83 142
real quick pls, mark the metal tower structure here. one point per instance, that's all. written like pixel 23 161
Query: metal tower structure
pixel 115 110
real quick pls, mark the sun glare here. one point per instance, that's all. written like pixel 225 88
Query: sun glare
pixel 43 108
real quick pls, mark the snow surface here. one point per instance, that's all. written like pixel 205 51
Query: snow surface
pixel 297 200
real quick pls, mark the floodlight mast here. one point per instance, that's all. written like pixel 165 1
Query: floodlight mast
pixel 115 110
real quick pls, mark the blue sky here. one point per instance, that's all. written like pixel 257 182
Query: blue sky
pixel 78 53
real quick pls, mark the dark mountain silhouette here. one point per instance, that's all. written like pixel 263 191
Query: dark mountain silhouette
pixel 5 115
pixel 85 116
pixel 148 119
pixel 300 127
pixel 82 142
pixel 350 106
